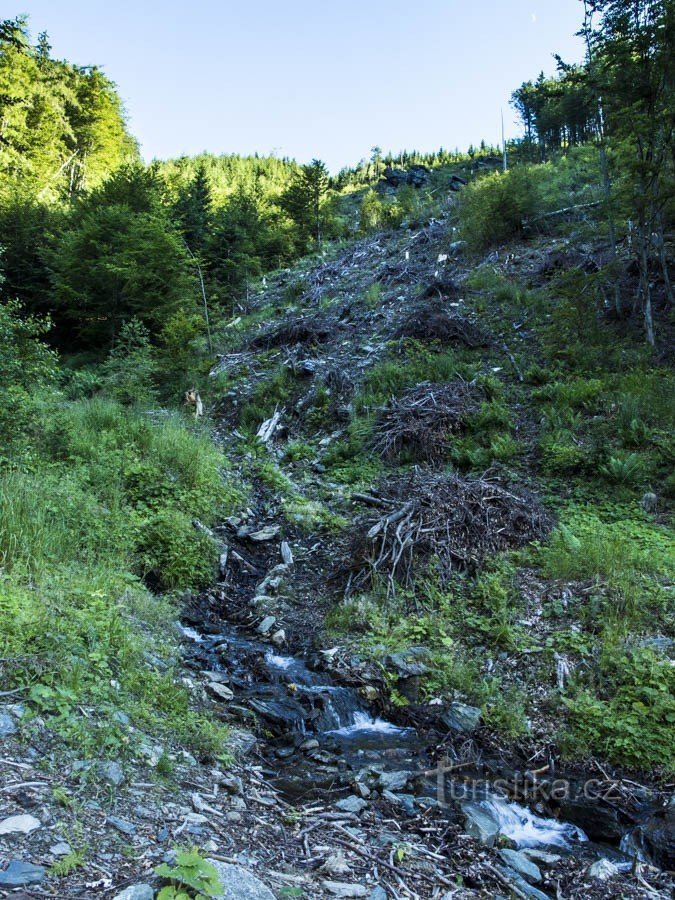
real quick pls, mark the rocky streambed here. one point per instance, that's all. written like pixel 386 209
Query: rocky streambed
pixel 326 750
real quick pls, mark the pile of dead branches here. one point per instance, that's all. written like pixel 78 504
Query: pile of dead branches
pixel 419 425
pixel 306 331
pixel 446 520
pixel 429 323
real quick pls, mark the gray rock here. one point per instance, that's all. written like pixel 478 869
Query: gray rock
pixel 240 884
pixel 340 889
pixel 394 781
pixel 523 886
pixel 266 625
pixel 121 718
pixel 407 663
pixel 351 805
pixel 19 825
pixel 220 691
pixel 121 825
pixel 462 718
pixel 522 865
pixel 378 893
pixel 20 874
pixel 658 835
pixel 110 772
pixel 602 870
pixel 60 849
pixel 7 725
pixel 136 892
pixel 541 856
pixel 478 823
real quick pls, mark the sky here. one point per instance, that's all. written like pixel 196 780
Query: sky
pixel 310 79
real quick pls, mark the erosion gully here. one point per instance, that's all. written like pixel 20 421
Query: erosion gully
pixel 320 735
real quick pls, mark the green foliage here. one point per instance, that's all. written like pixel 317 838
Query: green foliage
pixel 190 877
pixel 629 714
pixel 624 468
pixel 130 370
pixel 494 209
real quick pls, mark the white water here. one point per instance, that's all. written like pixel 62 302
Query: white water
pixel 279 662
pixel 528 830
pixel 192 635
pixel 364 722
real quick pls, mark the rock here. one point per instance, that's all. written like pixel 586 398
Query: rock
pixel 336 865
pixel 267 533
pixel 7 725
pixel 362 789
pixel 279 638
pixel 522 865
pixel 136 892
pixel 266 625
pixel 462 718
pixel 311 744
pixel 649 502
pixel 110 772
pixel 354 805
pixel 369 692
pixel 60 849
pixel 19 825
pixel 407 663
pixel 658 835
pixel 378 893
pixel 602 870
pixel 478 823
pixel 219 677
pixel 240 884
pixel 338 889
pixel 541 856
pixel 232 783
pixel 121 825
pixel 220 691
pixel 599 822
pixel 20 874
pixel 394 781
pixel 523 886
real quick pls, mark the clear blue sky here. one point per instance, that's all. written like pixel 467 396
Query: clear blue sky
pixel 305 78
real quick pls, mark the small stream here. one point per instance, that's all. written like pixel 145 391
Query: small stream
pixel 298 704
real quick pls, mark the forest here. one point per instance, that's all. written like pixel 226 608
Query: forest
pixel 435 467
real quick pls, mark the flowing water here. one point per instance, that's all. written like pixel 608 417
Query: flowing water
pixel 298 703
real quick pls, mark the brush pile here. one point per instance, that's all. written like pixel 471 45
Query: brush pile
pixel 306 331
pixel 428 323
pixel 419 425
pixel 449 522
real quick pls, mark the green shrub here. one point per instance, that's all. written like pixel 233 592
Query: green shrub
pixel 624 468
pixel 494 209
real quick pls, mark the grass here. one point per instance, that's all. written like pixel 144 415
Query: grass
pixel 106 505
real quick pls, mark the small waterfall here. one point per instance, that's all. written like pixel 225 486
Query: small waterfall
pixel 528 830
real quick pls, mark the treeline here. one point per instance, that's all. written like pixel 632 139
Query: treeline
pixel 622 98
pixel 93 238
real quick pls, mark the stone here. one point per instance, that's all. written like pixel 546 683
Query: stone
pixel 378 893
pixel 311 744
pixel 462 718
pixel 354 805
pixel 266 625
pixel 523 886
pixel 20 874
pixel 600 823
pixel 478 823
pixel 19 825
pixel 543 857
pixel 338 889
pixel 394 781
pixel 239 883
pixel 219 677
pixel 7 726
pixel 110 772
pixel 232 783
pixel 522 865
pixel 60 849
pixel 407 663
pixel 369 692
pixel 602 870
pixel 220 691
pixel 279 638
pixel 658 835
pixel 136 892
pixel 121 825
